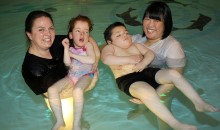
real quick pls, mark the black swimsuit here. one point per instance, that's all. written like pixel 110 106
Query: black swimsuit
pixel 147 75
pixel 40 73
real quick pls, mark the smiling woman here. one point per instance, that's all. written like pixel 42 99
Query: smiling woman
pixel 42 58
pixel 43 68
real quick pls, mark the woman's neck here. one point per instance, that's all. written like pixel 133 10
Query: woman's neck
pixel 150 42
pixel 44 53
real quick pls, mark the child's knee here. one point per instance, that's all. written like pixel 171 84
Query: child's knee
pixel 52 89
pixel 142 90
pixel 77 91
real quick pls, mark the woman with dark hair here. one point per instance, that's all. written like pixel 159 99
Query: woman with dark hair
pixel 157 26
pixel 43 68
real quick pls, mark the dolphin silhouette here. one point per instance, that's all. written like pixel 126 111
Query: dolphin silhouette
pixel 199 24
pixel 126 16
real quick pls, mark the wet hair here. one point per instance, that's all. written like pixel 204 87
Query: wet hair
pixel 108 30
pixel 32 16
pixel 79 18
pixel 160 11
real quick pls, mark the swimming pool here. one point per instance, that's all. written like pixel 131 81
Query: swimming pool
pixel 196 25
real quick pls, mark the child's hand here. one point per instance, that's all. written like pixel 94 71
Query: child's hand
pixel 136 59
pixel 93 82
pixel 66 42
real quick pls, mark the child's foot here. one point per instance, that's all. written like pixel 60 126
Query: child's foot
pixel 181 126
pixel 59 126
pixel 85 124
pixel 77 126
pixel 206 107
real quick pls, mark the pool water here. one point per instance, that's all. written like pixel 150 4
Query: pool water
pixel 196 25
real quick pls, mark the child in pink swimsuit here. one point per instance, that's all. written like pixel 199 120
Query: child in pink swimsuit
pixel 79 69
pixel 79 56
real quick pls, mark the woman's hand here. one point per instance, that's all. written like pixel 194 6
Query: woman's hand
pixel 94 80
pixel 136 101
pixel 95 67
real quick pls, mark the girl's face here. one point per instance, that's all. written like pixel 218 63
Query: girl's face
pixel 153 28
pixel 120 37
pixel 42 33
pixel 80 33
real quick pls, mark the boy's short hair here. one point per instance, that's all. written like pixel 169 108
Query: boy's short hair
pixel 108 30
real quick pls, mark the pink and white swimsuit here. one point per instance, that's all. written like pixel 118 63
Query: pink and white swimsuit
pixel 77 68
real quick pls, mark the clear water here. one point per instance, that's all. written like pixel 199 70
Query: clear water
pixel 105 107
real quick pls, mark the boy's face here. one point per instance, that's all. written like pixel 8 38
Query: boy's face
pixel 120 37
pixel 80 33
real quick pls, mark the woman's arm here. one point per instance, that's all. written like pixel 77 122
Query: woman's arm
pixel 97 53
pixel 175 58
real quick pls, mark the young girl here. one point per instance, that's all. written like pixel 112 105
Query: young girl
pixel 129 64
pixel 80 57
